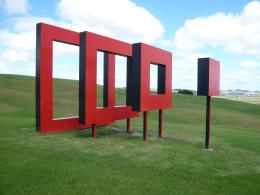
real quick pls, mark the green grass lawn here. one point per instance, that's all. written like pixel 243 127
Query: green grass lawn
pixel 121 163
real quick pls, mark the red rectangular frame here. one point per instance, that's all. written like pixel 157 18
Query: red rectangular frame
pixel 143 56
pixel 90 43
pixel 45 123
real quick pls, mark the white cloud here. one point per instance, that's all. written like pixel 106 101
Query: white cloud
pixel 18 51
pixel 18 41
pixel 233 33
pixel 117 18
pixel 239 78
pixel 120 19
pixel 15 6
pixel 18 45
pixel 12 55
pixel 236 33
pixel 65 50
pixel 65 60
pixel 258 76
pixel 185 69
pixel 124 20
pixel 249 64
pixel 3 68
pixel 28 23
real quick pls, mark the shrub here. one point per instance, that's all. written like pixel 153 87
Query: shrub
pixel 185 91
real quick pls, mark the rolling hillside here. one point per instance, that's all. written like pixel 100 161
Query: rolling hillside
pixel 121 163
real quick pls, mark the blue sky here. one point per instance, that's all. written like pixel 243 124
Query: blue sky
pixel 228 31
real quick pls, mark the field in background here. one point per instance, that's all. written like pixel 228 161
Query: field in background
pixel 247 99
pixel 121 163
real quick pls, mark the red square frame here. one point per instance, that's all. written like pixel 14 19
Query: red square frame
pixel 90 43
pixel 45 123
pixel 143 56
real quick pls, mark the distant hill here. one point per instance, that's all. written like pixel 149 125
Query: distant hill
pixel 240 95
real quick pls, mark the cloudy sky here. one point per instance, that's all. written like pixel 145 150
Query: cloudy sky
pixel 228 31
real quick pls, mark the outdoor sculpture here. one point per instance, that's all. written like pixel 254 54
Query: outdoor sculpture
pixel 138 98
pixel 208 85
pixel 139 57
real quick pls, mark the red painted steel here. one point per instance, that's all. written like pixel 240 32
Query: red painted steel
pixel 93 43
pixel 46 34
pixel 208 116
pixel 111 80
pixel 144 57
pixel 128 127
pixel 160 123
pixel 214 77
pixel 138 85
pixel 94 131
pixel 145 126
pixel 208 77
pixel 208 85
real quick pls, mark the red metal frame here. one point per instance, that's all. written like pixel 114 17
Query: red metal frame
pixel 90 43
pixel 160 123
pixel 109 80
pixel 208 85
pixel 128 125
pixel 208 77
pixel 94 131
pixel 45 123
pixel 143 56
pixel 214 77
pixel 139 57
pixel 145 126
pixel 208 116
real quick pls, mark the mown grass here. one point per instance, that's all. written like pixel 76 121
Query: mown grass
pixel 121 163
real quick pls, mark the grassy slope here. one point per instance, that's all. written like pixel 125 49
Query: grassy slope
pixel 119 163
